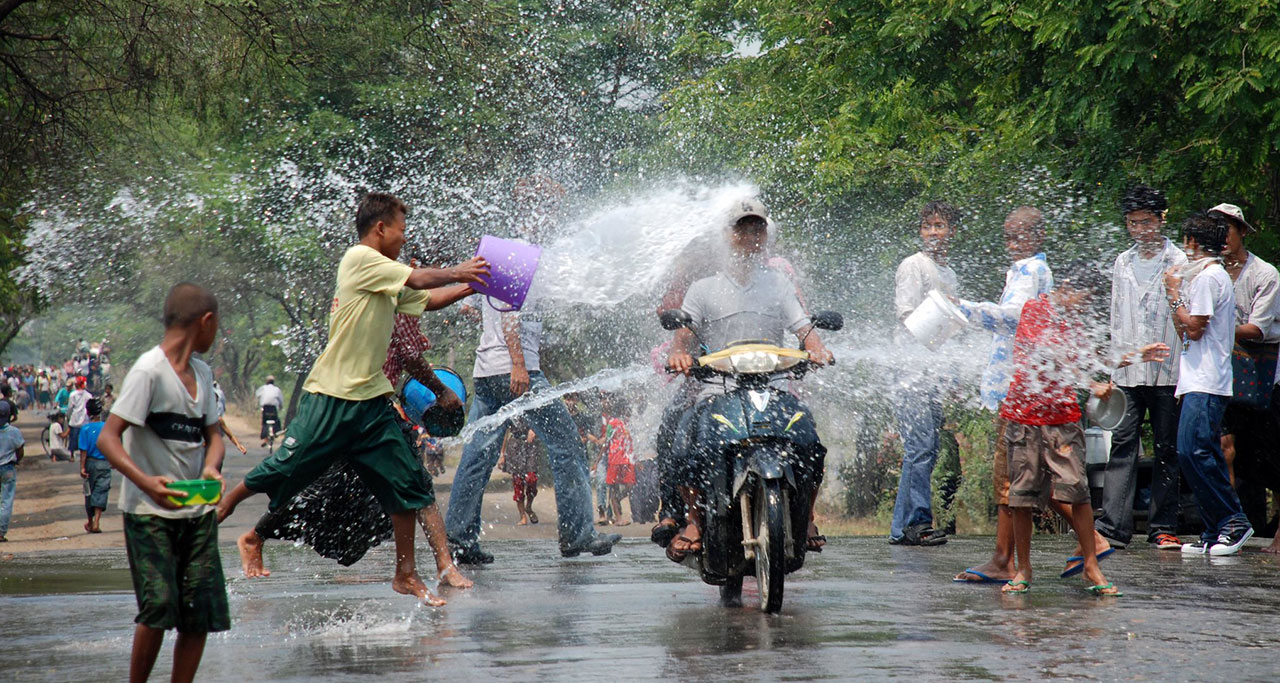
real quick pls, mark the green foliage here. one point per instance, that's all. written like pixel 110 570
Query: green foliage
pixel 888 103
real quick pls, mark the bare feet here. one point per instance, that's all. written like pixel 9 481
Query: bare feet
pixel 997 572
pixel 250 547
pixel 622 522
pixel 1274 548
pixel 88 527
pixel 452 576
pixel 412 584
pixel 523 521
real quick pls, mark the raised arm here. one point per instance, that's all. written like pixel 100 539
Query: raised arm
pixel 471 270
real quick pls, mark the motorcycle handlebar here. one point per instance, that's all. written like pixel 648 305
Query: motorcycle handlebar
pixel 796 371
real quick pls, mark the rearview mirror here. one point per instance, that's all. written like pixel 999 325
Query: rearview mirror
pixel 674 319
pixel 828 320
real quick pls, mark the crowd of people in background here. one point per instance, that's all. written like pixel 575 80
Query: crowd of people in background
pixel 1192 349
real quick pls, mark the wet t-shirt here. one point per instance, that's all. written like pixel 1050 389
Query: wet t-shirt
pixel 166 428
pixel 492 356
pixel 1046 354
pixel 363 312
pixel 764 309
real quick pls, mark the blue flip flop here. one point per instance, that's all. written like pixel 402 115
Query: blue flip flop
pixel 1080 567
pixel 983 578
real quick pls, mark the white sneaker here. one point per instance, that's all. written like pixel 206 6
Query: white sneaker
pixel 1230 544
pixel 1197 548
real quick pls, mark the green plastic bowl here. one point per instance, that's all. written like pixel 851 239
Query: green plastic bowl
pixel 199 491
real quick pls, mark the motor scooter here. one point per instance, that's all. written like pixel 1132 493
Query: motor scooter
pixel 765 461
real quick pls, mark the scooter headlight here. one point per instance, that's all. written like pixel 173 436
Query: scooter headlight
pixel 753 362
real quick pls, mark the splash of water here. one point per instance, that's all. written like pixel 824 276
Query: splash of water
pixel 629 248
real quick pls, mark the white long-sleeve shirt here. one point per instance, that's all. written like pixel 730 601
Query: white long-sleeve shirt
pixel 1025 280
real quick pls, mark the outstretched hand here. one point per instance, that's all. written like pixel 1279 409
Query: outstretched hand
pixel 471 270
pixel 1155 353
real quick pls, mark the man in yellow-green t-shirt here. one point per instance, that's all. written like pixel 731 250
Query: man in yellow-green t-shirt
pixel 344 412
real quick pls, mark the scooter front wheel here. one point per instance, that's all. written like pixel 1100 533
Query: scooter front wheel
pixel 771 539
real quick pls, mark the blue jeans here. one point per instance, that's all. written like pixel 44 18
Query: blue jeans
pixel 1200 456
pixel 8 486
pixel 568 458
pixel 920 417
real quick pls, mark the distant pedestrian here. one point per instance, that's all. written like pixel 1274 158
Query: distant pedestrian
pixel 520 459
pixel 77 416
pixel 11 443
pixel 94 468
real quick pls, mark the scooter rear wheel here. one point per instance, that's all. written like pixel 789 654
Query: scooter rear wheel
pixel 771 539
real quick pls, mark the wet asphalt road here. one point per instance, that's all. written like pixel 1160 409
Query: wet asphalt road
pixel 862 609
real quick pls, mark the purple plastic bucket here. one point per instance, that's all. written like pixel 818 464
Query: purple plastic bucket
pixel 511 269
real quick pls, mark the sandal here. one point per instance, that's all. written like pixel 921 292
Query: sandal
pixel 663 533
pixel 1025 587
pixel 533 518
pixel 815 543
pixel 677 554
pixel 1101 590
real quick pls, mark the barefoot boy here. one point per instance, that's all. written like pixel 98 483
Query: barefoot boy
pixel 1051 357
pixel 344 414
pixel 162 428
pixel 94 469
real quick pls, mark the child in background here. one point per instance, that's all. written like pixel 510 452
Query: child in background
pixel 1052 356
pixel 520 459
pixel 620 474
pixel 76 414
pixel 163 428
pixel 58 435
pixel 94 468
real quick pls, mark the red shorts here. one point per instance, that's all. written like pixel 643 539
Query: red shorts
pixel 524 483
pixel 621 474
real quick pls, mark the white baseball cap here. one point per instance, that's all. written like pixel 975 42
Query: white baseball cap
pixel 747 206
pixel 1233 211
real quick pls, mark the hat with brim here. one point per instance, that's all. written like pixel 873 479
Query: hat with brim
pixel 1233 212
pixel 744 208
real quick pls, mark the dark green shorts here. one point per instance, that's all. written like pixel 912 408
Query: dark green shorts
pixel 364 434
pixel 177 573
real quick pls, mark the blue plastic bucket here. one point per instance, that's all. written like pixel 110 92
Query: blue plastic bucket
pixel 418 400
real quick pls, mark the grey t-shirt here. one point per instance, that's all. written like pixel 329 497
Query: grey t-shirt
pixel 1256 289
pixel 763 309
pixel 166 428
pixel 492 356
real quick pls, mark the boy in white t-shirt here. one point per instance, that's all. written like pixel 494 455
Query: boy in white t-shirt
pixel 1204 314
pixel 163 428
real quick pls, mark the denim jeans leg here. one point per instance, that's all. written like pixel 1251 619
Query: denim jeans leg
pixel 8 487
pixel 568 458
pixel 1200 456
pixel 919 419
pixel 479 455
pixel 1120 477
pixel 1162 406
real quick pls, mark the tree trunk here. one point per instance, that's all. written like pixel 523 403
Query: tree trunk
pixel 294 396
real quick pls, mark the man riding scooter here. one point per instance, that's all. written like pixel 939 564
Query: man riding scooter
pixel 745 301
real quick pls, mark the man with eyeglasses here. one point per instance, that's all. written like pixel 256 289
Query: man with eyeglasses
pixel 1140 315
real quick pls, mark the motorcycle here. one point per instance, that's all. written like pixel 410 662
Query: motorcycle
pixel 766 461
